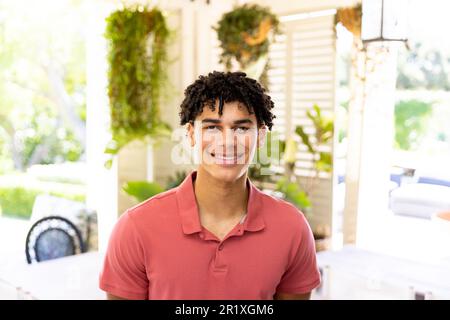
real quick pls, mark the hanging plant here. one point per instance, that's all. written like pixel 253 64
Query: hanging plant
pixel 244 35
pixel 137 75
pixel 350 18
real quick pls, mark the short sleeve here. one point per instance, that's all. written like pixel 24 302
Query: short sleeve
pixel 124 273
pixel 302 274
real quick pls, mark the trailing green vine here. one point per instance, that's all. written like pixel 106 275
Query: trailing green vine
pixel 244 35
pixel 137 75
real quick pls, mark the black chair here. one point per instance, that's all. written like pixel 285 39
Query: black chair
pixel 53 237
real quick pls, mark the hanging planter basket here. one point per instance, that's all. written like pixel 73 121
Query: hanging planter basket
pixel 350 18
pixel 245 34
pixel 137 75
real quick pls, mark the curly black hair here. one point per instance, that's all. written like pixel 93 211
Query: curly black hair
pixel 226 87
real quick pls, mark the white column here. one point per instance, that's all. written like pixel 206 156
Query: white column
pixel 371 132
pixel 354 134
pixel 102 183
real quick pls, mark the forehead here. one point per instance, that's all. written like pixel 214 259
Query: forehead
pixel 231 111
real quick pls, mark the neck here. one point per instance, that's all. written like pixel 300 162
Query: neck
pixel 211 193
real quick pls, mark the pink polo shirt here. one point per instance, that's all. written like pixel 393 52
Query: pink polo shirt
pixel 159 250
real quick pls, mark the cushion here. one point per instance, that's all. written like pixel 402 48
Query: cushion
pixel 420 199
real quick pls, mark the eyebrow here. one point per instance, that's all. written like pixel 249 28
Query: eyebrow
pixel 240 121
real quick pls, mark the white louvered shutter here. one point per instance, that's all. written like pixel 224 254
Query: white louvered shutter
pixel 301 74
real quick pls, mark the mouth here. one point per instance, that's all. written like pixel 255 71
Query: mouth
pixel 226 159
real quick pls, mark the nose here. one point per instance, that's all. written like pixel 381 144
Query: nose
pixel 227 140
pixel 229 136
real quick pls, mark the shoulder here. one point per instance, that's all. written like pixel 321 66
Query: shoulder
pixel 282 213
pixel 154 207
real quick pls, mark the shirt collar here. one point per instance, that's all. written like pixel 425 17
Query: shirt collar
pixel 188 210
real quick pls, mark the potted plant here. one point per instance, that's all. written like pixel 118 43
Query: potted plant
pixel 244 34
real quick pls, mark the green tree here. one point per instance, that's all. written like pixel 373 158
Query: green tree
pixel 422 67
pixel 411 122
pixel 42 81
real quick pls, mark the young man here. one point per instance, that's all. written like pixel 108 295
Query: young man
pixel 216 236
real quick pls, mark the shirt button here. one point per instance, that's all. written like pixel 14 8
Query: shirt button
pixel 202 235
pixel 221 247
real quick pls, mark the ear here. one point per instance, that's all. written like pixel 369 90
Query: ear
pixel 262 132
pixel 190 134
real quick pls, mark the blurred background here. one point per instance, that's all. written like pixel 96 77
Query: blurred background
pixel 89 98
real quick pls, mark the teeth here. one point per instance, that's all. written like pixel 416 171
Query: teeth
pixel 225 157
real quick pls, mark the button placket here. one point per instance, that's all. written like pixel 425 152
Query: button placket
pixel 219 263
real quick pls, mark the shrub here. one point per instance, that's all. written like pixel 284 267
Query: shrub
pixel 19 201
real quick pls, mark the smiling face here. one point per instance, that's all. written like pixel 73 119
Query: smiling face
pixel 225 144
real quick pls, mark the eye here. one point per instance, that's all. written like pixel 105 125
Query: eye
pixel 241 129
pixel 211 128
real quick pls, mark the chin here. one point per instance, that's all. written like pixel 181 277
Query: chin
pixel 226 173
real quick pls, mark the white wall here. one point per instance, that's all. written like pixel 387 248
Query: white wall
pixel 286 7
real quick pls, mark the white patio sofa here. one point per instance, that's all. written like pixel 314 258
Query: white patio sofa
pixel 420 200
